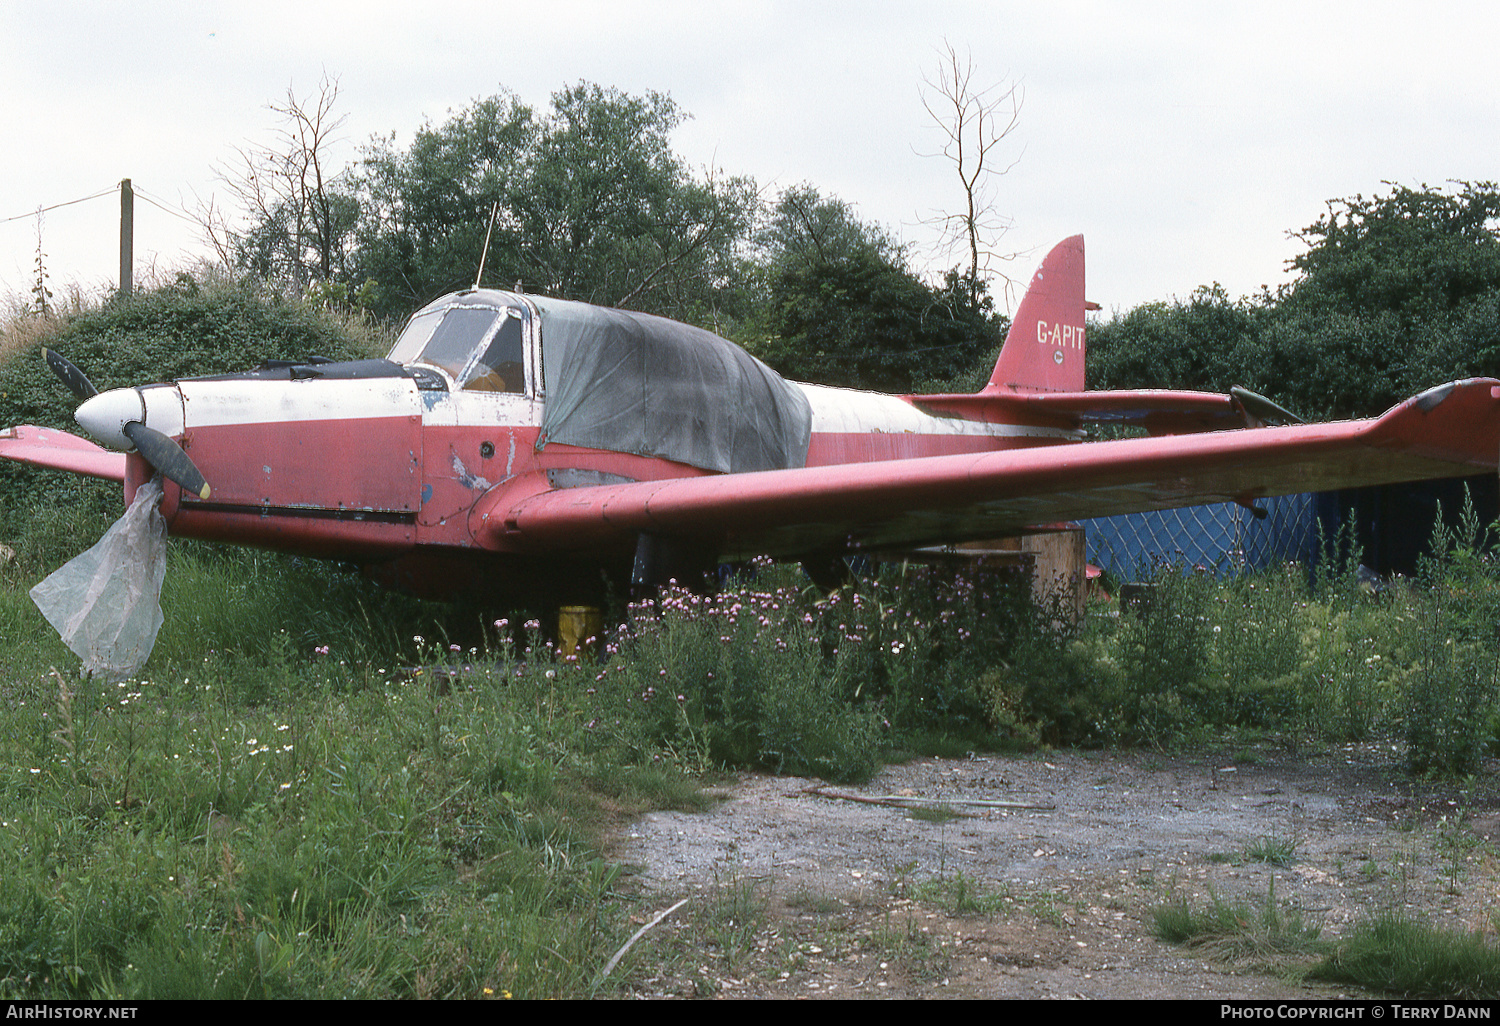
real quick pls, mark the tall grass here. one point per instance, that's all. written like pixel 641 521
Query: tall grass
pixel 1392 954
pixel 272 810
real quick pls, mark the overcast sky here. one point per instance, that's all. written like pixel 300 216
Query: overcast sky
pixel 1184 140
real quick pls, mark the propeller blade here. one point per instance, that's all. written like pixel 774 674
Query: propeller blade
pixel 167 456
pixel 77 382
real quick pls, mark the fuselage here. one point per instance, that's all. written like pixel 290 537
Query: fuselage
pixel 380 460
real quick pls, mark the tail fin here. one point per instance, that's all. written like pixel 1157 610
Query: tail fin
pixel 1044 349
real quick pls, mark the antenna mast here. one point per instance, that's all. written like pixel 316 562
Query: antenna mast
pixel 494 209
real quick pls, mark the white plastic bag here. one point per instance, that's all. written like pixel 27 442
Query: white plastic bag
pixel 106 603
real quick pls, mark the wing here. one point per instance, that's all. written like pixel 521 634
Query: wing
pixel 1449 431
pixel 58 450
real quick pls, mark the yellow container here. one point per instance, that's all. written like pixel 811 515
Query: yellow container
pixel 578 627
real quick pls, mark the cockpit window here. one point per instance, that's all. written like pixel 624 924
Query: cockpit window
pixel 458 335
pixel 502 368
pixel 482 348
pixel 414 337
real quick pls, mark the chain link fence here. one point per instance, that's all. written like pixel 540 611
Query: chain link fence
pixel 1226 538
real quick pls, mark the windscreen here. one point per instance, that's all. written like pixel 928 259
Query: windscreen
pixel 481 346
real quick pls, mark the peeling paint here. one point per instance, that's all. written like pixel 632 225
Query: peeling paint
pixel 468 480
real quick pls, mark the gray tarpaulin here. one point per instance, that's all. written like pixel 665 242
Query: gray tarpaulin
pixel 106 603
pixel 630 382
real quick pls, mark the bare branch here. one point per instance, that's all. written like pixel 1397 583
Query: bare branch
pixel 284 191
pixel 974 122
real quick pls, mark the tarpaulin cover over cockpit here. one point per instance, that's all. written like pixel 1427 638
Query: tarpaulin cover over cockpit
pixel 630 382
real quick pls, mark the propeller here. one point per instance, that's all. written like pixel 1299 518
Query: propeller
pixel 158 449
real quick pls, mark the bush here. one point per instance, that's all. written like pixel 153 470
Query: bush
pixel 918 639
pixel 189 328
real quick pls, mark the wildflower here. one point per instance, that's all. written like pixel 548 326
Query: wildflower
pixel 321 650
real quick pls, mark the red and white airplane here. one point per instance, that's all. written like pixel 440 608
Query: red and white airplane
pixel 518 444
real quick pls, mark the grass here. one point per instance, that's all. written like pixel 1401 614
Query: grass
pixel 254 819
pixel 317 790
pixel 1266 935
pixel 934 813
pixel 1395 955
pixel 1387 954
pixel 1273 850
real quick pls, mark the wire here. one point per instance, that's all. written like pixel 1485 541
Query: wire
pixel 55 206
pixel 179 212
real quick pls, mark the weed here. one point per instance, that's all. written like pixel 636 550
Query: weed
pixel 726 926
pixel 960 894
pixel 1273 850
pixel 933 813
pixel 816 902
pixel 1268 936
pixel 911 947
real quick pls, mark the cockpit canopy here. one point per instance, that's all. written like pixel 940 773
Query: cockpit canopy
pixel 615 379
pixel 478 339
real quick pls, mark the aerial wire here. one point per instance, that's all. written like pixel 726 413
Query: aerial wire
pixel 42 210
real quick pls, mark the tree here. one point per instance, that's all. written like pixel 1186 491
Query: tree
pixel 424 210
pixel 591 203
pixel 301 211
pixel 864 322
pixel 843 309
pixel 1420 254
pixel 974 122
pixel 806 229
pixel 1397 293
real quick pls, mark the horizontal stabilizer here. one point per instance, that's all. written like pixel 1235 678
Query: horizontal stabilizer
pixel 1159 411
pixel 59 450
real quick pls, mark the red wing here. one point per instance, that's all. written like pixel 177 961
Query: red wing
pixel 58 450
pixel 1449 431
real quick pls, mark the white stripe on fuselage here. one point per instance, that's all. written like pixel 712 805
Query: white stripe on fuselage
pixel 848 411
pixel 233 401
pixel 249 401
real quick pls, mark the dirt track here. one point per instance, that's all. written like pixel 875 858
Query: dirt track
pixel 849 906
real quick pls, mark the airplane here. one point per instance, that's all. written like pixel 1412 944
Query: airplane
pixel 519 445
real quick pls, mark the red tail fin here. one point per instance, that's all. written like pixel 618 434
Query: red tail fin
pixel 1044 349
